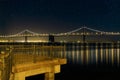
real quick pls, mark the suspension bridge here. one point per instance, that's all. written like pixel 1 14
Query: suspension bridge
pixel 77 35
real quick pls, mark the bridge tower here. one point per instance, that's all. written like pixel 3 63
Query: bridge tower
pixel 26 38
pixel 51 38
pixel 84 36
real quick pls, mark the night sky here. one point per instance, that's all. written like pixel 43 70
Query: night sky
pixel 54 16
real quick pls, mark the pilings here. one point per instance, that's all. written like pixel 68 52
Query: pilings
pixel 49 76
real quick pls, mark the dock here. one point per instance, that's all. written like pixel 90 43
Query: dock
pixel 17 65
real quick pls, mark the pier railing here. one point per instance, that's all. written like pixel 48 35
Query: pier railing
pixel 34 53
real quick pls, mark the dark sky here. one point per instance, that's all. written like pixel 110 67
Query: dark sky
pixel 54 16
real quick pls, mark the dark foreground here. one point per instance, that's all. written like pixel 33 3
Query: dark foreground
pixel 78 72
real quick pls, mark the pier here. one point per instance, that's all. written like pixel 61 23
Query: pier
pixel 20 61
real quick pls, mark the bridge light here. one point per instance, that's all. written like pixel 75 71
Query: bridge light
pixel 65 33
pixel 61 34
pixel 113 33
pixel 77 33
pixel 73 33
pixel 78 41
pixel 107 32
pixel 44 34
pixel 61 41
pixel 3 35
pixel 81 33
pixel 87 33
pixel 117 33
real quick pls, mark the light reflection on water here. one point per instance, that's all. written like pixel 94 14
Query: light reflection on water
pixel 93 54
pixel 83 54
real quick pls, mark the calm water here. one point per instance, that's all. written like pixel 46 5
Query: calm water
pixel 96 61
